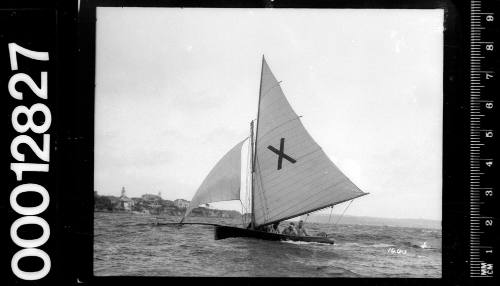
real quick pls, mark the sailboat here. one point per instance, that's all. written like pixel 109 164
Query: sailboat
pixel 290 173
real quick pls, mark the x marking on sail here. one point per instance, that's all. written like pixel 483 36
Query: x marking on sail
pixel 281 153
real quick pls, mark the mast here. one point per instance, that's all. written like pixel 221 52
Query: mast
pixel 252 219
pixel 254 155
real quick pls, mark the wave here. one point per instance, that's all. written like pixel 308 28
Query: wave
pixel 356 244
pixel 304 242
pixel 126 247
pixel 419 245
pixel 424 245
pixel 362 236
pixel 383 245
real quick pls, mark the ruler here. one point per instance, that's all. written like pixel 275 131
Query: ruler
pixel 483 80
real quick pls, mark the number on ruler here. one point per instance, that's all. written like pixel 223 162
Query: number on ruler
pixel 486 269
pixel 488 193
pixel 489 163
pixel 489 18
pixel 488 75
pixel 489 105
pixel 15 48
pixel 488 222
pixel 489 47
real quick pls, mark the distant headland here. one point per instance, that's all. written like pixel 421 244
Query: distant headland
pixel 377 221
pixel 155 205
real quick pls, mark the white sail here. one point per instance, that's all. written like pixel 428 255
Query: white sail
pixel 293 175
pixel 222 183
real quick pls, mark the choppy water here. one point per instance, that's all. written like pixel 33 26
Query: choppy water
pixel 129 244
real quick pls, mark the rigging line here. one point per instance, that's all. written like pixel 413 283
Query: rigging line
pixel 242 214
pixel 265 208
pixel 308 214
pixel 344 211
pixel 313 202
pixel 305 220
pixel 330 217
pixel 248 166
pixel 253 155
pixel 247 185
pixel 299 214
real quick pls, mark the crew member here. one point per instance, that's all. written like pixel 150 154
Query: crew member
pixel 275 227
pixel 301 230
pixel 290 230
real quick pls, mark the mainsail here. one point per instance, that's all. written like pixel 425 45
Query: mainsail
pixel 222 183
pixel 293 175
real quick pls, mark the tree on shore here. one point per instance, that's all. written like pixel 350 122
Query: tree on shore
pixel 102 203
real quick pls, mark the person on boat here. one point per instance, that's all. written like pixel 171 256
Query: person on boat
pixel 275 227
pixel 301 230
pixel 290 230
pixel 264 228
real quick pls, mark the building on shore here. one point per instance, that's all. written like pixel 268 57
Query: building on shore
pixel 151 198
pixel 125 202
pixel 181 203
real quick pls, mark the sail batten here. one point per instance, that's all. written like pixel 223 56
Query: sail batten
pixel 293 174
pixel 222 183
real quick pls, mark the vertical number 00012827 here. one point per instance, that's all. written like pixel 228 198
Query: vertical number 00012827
pixel 482 81
pixel 29 215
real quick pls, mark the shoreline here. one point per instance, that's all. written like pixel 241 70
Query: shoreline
pixel 166 215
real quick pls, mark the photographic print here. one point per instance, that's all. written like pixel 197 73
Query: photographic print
pixel 268 142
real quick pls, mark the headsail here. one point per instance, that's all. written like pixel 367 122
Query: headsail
pixel 222 183
pixel 293 175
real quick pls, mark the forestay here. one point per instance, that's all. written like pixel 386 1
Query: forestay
pixel 222 183
pixel 293 175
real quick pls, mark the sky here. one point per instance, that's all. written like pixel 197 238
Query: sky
pixel 177 88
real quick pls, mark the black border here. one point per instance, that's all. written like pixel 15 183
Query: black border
pixel 59 18
pixel 455 123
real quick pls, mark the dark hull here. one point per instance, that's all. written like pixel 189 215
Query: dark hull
pixel 222 232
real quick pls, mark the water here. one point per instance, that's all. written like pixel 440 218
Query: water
pixel 129 244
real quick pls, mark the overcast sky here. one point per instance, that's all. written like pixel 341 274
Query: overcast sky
pixel 177 88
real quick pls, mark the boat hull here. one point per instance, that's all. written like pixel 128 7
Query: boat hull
pixel 222 232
